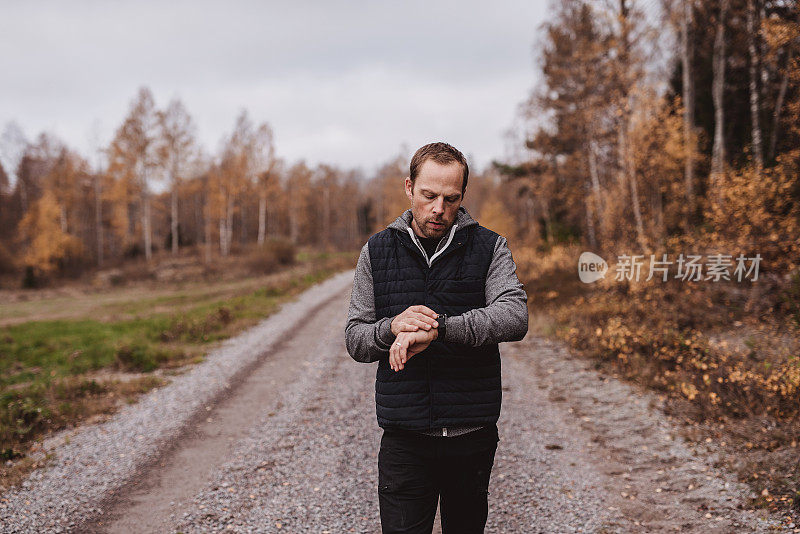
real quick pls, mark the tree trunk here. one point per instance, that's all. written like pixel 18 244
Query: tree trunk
pixel 326 216
pixel 627 175
pixel 222 239
pixel 590 219
pixel 718 90
pixel 207 230
pixel 595 176
pixel 637 211
pixel 272 221
pixel 755 107
pixel 174 213
pixel 243 222
pixel 262 217
pixel 98 219
pixel 688 109
pixel 229 225
pixel 294 224
pixel 148 241
pixel 199 218
pixel 776 118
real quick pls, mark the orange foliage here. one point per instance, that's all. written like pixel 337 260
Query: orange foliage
pixel 756 213
pixel 49 244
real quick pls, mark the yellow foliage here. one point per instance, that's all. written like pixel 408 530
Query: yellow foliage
pixel 48 243
pixel 495 217
pixel 757 213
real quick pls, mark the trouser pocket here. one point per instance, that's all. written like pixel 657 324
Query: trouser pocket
pixel 406 492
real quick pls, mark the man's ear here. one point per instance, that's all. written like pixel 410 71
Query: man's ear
pixel 409 187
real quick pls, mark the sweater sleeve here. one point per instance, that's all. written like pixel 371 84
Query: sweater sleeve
pixel 505 317
pixel 367 339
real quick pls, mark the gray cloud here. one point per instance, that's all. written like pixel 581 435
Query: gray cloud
pixel 340 82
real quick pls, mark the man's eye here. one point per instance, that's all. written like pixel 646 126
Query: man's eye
pixel 429 197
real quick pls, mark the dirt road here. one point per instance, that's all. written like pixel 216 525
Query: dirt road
pixel 290 445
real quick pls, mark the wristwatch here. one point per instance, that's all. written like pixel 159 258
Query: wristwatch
pixel 442 320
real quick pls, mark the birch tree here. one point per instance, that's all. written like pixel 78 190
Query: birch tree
pixel 135 155
pixel 262 163
pixel 718 93
pixel 753 42
pixel 177 148
pixel 688 103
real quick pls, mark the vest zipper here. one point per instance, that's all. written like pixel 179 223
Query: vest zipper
pixel 416 250
pixel 427 267
pixel 458 245
pixel 428 360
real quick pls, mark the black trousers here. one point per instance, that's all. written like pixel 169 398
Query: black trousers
pixel 414 470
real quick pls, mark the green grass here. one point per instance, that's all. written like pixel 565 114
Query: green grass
pixel 46 365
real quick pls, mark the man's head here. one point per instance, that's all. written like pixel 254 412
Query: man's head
pixel 435 188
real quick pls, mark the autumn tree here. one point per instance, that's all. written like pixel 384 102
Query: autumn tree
pixel 576 95
pixel 176 152
pixel 261 170
pixel 388 191
pixel 135 159
pixel 47 244
pixel 300 202
pixel 229 178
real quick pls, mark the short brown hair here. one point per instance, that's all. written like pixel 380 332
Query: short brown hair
pixel 441 153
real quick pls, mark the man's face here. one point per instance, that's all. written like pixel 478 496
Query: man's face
pixel 435 198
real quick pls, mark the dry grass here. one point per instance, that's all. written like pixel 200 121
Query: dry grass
pixel 727 360
pixel 71 402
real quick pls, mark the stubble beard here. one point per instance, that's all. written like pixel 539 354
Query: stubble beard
pixel 425 229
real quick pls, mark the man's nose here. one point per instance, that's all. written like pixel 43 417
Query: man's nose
pixel 438 205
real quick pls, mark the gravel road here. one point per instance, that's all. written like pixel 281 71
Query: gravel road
pixel 276 432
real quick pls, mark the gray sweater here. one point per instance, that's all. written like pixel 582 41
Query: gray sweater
pixel 505 317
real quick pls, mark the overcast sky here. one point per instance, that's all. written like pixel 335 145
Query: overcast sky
pixel 342 82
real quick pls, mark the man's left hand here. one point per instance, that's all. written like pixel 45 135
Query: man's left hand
pixel 407 344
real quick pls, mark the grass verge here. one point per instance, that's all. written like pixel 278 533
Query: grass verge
pixel 56 374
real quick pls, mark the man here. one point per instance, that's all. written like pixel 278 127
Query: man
pixel 434 293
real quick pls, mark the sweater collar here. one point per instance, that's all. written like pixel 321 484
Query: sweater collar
pixel 463 219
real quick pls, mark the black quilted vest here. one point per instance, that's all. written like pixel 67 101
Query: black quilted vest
pixel 447 384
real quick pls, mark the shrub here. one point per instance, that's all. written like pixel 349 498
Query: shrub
pixel 271 255
pixel 131 357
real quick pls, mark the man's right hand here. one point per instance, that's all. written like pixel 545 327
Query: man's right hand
pixel 414 318
pixel 407 344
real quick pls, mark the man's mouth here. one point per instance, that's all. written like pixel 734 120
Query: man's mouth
pixel 436 225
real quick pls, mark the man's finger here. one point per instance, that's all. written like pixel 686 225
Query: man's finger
pixel 426 319
pixel 402 353
pixel 421 308
pixel 418 323
pixel 409 327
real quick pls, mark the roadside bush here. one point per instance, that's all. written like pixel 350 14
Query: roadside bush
pixel 133 357
pixel 24 413
pixel 273 254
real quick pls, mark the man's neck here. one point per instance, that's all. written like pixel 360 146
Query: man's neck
pixel 415 227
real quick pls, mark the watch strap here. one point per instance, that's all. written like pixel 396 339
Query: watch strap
pixel 442 320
